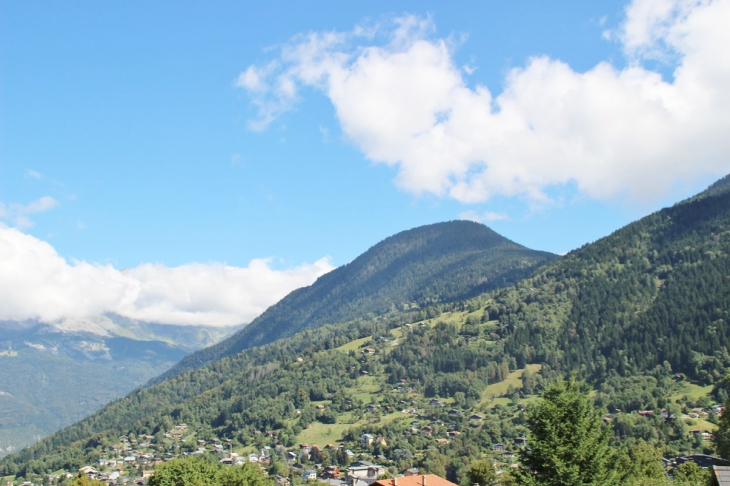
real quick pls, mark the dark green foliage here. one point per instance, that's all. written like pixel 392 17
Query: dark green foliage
pixel 441 262
pixel 482 473
pixel 192 471
pixel 567 444
pixel 656 291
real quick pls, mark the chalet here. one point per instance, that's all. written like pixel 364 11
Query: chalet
pixel 412 472
pixel 89 471
pixel 475 418
pixel 508 455
pixel 368 351
pixel 442 441
pixel 309 475
pixel 366 439
pixel 331 472
pixel 427 430
pixel 453 433
pixel 364 472
pixel 418 480
pixel 373 407
pixel 455 413
pixel 281 480
pixel 647 413
pixel 436 403
pixel 319 407
pixel 498 447
pixel 521 441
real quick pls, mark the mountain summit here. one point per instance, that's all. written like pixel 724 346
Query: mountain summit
pixel 440 262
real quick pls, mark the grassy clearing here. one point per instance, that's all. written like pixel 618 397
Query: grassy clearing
pixel 323 434
pixel 690 392
pixel 514 379
pixel 354 345
pixel 699 423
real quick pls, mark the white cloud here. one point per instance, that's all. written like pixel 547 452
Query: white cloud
pixel 483 217
pixel 18 213
pixel 613 132
pixel 33 173
pixel 37 283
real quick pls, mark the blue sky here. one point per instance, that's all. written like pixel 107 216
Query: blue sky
pixel 158 136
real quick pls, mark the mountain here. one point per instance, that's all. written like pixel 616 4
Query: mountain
pixel 641 314
pixel 441 262
pixel 53 374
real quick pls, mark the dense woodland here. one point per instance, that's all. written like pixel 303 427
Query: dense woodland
pixel 438 263
pixel 639 315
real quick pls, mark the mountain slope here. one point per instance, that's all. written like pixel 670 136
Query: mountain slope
pixel 652 292
pixel 441 262
pixel 627 312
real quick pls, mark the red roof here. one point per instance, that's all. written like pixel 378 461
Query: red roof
pixel 420 480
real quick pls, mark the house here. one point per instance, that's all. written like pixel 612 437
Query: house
pixel 331 472
pixel 498 447
pixel 475 418
pixel 368 351
pixel 309 475
pixel 454 412
pixel 720 476
pixel 647 413
pixel 436 403
pixel 508 455
pixel 521 441
pixel 88 470
pixel 368 472
pixel 453 433
pixel 422 480
pixel 366 439
pixel 373 407
pixel 281 480
pixel 412 471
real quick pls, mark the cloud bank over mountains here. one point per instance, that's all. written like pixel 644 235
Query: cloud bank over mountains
pixel 613 132
pixel 37 283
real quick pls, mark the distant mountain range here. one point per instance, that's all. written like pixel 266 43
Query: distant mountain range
pixel 54 374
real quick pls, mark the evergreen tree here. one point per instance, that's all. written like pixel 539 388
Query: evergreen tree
pixel 482 473
pixel 567 444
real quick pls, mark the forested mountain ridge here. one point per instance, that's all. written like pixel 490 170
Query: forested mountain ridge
pixel 442 262
pixel 629 313
pixel 655 291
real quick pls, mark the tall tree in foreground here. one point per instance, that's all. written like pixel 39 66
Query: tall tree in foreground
pixel 567 444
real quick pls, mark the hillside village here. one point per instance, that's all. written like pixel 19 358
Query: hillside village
pixel 381 416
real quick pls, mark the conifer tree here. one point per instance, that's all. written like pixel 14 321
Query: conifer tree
pixel 567 444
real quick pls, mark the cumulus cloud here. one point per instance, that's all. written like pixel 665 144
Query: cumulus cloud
pixel 37 283
pixel 483 217
pixel 613 132
pixel 18 214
